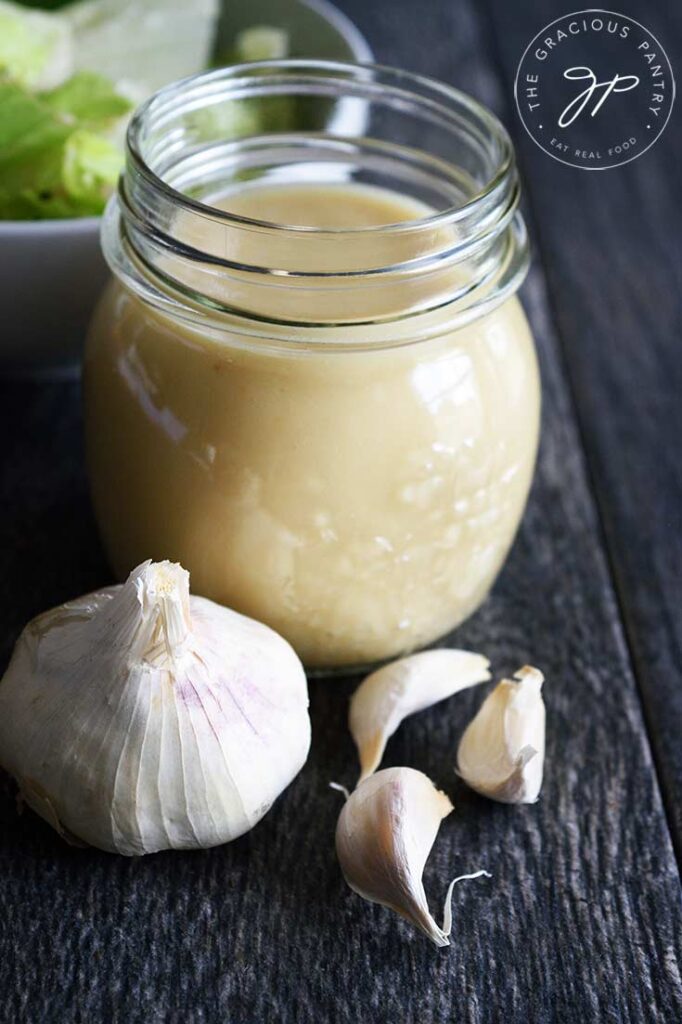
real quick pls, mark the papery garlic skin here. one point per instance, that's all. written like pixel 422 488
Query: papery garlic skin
pixel 139 718
pixel 402 688
pixel 502 752
pixel 383 838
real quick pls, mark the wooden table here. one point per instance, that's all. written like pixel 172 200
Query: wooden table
pixel 582 919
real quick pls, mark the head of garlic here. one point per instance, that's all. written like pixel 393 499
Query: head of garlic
pixel 501 754
pixel 140 718
pixel 383 838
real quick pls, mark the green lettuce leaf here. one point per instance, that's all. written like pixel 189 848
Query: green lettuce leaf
pixel 51 163
pixel 36 48
pixel 89 99
pixel 91 165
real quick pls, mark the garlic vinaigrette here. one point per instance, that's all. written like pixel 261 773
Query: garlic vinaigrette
pixel 311 381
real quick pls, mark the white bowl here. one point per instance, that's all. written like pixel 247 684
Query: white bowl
pixel 52 271
pixel 52 274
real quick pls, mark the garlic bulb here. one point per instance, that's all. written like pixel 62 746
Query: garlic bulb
pixel 502 751
pixel 403 687
pixel 383 838
pixel 139 718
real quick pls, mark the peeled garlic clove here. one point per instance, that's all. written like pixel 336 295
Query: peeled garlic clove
pixel 403 687
pixel 139 718
pixel 502 751
pixel 384 834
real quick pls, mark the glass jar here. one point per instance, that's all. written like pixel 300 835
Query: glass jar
pixel 331 422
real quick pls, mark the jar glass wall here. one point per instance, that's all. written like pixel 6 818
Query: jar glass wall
pixel 311 382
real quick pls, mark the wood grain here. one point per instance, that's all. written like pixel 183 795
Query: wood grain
pixel 581 920
pixel 611 248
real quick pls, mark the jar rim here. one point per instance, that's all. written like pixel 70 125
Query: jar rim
pixel 166 237
pixel 166 97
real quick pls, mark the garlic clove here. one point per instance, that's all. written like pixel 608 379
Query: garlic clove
pixel 383 838
pixel 141 718
pixel 402 688
pixel 501 754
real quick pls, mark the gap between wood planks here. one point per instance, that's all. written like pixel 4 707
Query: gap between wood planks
pixel 608 542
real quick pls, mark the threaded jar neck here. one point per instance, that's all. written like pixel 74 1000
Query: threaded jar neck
pixel 284 122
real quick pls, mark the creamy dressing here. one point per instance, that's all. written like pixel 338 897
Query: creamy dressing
pixel 359 502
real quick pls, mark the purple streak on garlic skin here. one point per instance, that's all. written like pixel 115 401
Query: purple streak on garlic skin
pixel 141 718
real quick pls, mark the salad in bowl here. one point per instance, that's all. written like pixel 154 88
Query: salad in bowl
pixel 71 73
pixel 69 79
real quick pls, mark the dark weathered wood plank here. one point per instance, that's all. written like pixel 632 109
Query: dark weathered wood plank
pixel 581 921
pixel 611 246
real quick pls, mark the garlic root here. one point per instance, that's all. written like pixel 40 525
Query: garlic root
pixel 139 718
pixel 501 754
pixel 402 688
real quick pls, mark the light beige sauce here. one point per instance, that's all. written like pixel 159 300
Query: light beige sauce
pixel 361 503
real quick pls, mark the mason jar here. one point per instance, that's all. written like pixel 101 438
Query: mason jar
pixel 310 380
